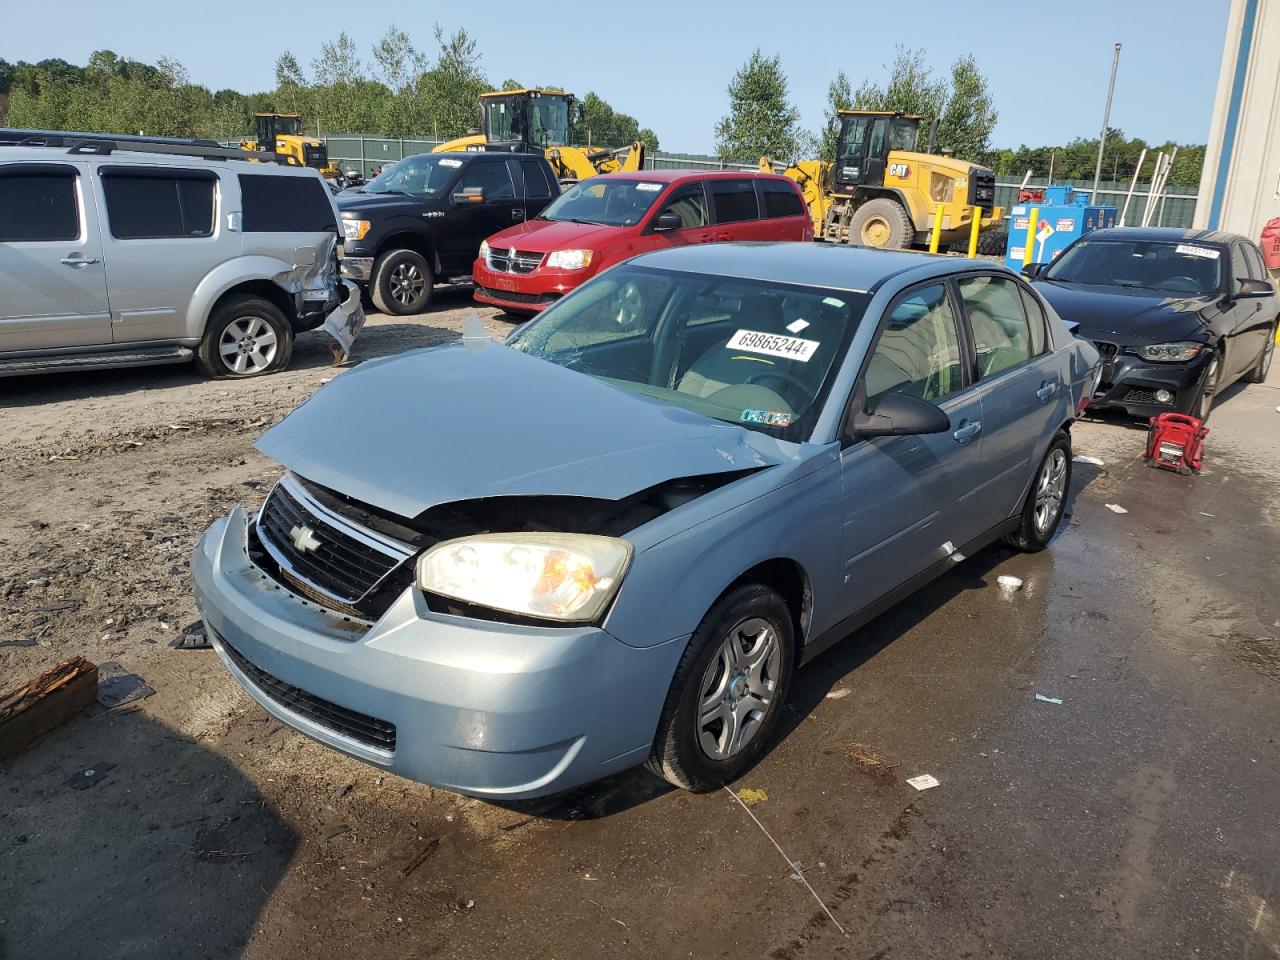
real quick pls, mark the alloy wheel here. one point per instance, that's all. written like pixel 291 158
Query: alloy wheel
pixel 407 284
pixel 737 688
pixel 248 345
pixel 1050 489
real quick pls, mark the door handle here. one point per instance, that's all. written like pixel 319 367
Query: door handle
pixel 724 236
pixel 706 238
pixel 968 431
pixel 78 261
pixel 1046 391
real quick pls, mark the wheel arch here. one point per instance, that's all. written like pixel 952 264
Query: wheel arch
pixel 789 578
pixel 415 240
pixel 265 289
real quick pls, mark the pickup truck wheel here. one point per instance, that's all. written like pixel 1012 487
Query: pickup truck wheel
pixel 246 336
pixel 728 690
pixel 401 282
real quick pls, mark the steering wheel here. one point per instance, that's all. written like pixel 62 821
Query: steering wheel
pixel 1187 284
pixel 784 377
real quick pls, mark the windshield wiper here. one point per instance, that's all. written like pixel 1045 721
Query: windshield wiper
pixel 594 223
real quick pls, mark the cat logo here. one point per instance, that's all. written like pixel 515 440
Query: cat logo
pixel 900 170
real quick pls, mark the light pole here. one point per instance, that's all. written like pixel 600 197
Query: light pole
pixel 1106 119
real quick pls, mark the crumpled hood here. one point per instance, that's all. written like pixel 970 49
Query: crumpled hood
pixel 543 236
pixel 478 419
pixel 1131 312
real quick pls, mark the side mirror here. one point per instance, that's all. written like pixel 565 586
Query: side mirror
pixel 1255 288
pixel 1033 270
pixel 469 195
pixel 667 220
pixel 899 415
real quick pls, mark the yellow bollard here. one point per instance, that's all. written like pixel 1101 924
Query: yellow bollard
pixel 1028 248
pixel 973 232
pixel 937 230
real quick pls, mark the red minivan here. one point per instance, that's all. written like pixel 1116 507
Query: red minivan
pixel 609 218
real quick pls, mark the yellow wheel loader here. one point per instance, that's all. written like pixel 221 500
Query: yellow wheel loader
pixel 879 192
pixel 282 132
pixel 542 121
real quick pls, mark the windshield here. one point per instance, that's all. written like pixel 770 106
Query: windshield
pixel 757 354
pixel 902 134
pixel 548 119
pixel 614 203
pixel 423 175
pixel 1152 265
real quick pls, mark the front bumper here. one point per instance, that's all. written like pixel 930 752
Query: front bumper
pixel 356 268
pixel 1130 383
pixel 491 710
pixel 524 292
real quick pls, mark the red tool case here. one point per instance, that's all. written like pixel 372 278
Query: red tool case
pixel 1175 441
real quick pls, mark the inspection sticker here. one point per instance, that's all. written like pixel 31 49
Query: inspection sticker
pixel 450 162
pixel 1194 251
pixel 795 326
pixel 770 418
pixel 773 345
pixel 651 187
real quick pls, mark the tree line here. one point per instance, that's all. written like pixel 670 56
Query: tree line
pixel 762 121
pixel 396 91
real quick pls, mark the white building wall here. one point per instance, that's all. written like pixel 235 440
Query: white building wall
pixel 1240 187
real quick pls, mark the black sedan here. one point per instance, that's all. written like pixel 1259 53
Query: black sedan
pixel 1178 315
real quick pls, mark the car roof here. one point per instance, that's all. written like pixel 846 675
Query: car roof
pixel 672 176
pixel 1167 234
pixel 825 265
pixel 42 154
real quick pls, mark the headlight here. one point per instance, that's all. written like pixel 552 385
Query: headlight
pixel 563 576
pixel 354 229
pixel 484 250
pixel 1170 352
pixel 570 259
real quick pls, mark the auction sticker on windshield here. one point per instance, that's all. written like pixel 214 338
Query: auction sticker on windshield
pixel 773 345
pixel 1194 251
pixel 652 187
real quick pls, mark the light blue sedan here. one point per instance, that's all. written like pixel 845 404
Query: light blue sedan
pixel 508 569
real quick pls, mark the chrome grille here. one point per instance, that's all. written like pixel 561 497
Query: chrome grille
pixel 1108 352
pixel 337 558
pixel 514 261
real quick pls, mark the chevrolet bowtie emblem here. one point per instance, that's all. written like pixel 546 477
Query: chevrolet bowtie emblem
pixel 304 538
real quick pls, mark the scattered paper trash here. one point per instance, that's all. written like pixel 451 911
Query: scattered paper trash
pixel 84 779
pixel 1042 697
pixel 1116 508
pixel 1009 584
pixel 1209 515
pixel 839 693
pixel 926 781
pixel 751 797
pixel 116 686
pixel 1093 461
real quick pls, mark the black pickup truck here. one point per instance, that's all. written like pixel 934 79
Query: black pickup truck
pixel 421 220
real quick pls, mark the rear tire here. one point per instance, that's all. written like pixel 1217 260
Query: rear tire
pixel 401 283
pixel 1047 498
pixel 715 725
pixel 881 223
pixel 246 336
pixel 1258 372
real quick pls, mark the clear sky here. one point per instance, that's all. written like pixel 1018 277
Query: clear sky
pixel 668 63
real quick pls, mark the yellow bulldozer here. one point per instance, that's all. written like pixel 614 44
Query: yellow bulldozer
pixel 282 132
pixel 880 192
pixel 542 121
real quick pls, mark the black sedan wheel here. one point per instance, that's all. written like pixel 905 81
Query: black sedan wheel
pixel 1208 386
pixel 1258 373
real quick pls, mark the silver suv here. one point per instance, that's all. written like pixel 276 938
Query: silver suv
pixel 128 251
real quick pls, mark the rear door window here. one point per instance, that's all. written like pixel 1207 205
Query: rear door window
pixel 535 181
pixel 38 205
pixel 1001 335
pixel 146 204
pixel 689 203
pixel 285 204
pixel 733 201
pixel 780 199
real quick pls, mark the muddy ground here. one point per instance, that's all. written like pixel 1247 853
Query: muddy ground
pixel 1138 818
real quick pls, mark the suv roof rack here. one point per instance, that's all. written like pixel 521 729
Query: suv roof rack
pixel 107 143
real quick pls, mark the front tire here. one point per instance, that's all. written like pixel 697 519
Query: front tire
pixel 881 223
pixel 1203 403
pixel 1046 500
pixel 246 336
pixel 401 283
pixel 728 690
